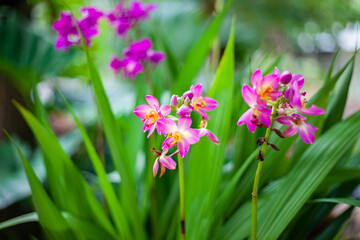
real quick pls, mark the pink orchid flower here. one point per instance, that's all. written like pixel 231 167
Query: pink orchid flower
pixel 265 87
pixel 199 103
pixel 165 162
pixel 180 134
pixel 256 113
pixel 151 114
pixel 297 124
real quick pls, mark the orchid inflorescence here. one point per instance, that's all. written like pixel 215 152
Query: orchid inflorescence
pixel 179 134
pixel 122 19
pixel 283 91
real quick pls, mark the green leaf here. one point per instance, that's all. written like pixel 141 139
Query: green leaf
pixel 336 107
pixel 49 216
pixel 349 201
pixel 70 191
pixel 110 195
pixel 205 166
pixel 279 207
pixel 29 217
pixel 120 155
pixel 194 60
pixel 307 175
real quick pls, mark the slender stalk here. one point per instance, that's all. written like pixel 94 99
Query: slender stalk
pixel 258 173
pixel 182 196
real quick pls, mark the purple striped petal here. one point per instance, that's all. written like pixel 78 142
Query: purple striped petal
pixel 183 147
pixel 167 161
pixel 211 104
pixel 256 78
pixel 246 117
pixel 152 101
pixel 155 167
pixel 212 137
pixel 249 95
pixel 286 120
pixel 313 110
pixel 251 126
pixel 307 132
pixel 291 130
pixel 166 126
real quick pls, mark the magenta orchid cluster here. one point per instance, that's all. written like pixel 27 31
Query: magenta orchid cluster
pixel 178 134
pixel 68 33
pixel 122 19
pixel 281 90
pixel 138 54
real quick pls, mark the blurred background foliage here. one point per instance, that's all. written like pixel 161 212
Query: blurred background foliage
pixel 301 36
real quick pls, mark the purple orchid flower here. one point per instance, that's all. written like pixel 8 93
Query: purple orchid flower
pixel 68 33
pixel 151 114
pixel 130 67
pixel 180 134
pixel 297 124
pixel 256 113
pixel 139 10
pixel 165 162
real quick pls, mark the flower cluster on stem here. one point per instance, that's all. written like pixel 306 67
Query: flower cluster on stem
pixel 285 88
pixel 177 129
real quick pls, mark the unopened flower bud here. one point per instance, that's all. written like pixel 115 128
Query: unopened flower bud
pixel 187 101
pixel 174 101
pixel 285 77
pixel 184 111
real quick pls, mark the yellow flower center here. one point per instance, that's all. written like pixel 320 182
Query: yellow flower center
pixel 153 115
pixel 176 136
pixel 264 91
pixel 256 113
pixel 199 103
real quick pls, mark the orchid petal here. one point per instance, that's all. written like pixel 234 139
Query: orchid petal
pixel 211 104
pixel 142 110
pixel 271 80
pixel 291 130
pixel 256 78
pixel 251 126
pixel 307 132
pixel 249 95
pixel 197 90
pixel 152 129
pixel 167 161
pixel 152 101
pixel 246 117
pixel 165 110
pixel 313 110
pixel 155 167
pixel 184 123
pixel 191 135
pixel 183 147
pixel 166 125
pixel 286 120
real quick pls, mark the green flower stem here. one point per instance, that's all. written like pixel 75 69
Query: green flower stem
pixel 182 196
pixel 258 173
